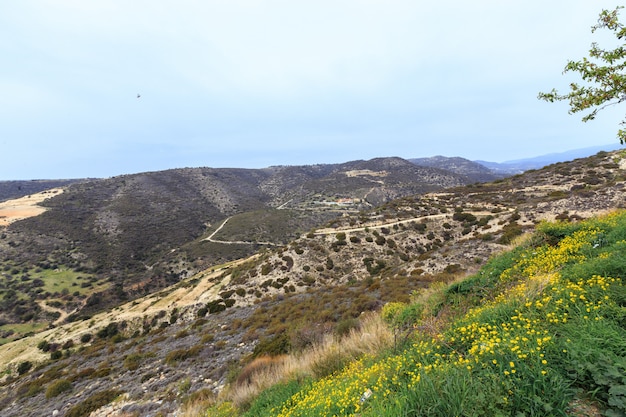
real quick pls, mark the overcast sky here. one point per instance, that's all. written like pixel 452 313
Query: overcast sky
pixel 245 83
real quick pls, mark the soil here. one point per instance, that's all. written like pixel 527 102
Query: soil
pixel 25 207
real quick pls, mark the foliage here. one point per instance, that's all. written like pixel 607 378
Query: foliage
pixel 542 325
pixel 24 367
pixel 58 387
pixel 604 74
pixel 93 403
pixel 182 354
pixel 277 394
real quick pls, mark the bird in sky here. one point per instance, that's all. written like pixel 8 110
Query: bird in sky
pixel 138 95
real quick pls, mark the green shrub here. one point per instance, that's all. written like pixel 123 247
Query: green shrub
pixel 182 354
pixel 109 331
pixel 132 361
pixel 344 326
pixel 24 367
pixel 274 346
pixel 58 387
pixel 93 403
pixel 510 232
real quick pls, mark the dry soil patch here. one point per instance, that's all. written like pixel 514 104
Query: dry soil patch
pixel 25 207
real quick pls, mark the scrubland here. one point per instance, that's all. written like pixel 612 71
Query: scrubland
pixel 540 330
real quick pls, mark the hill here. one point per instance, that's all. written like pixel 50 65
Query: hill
pixel 16 189
pixel 474 171
pixel 104 242
pixel 185 343
pixel 518 166
pixel 537 331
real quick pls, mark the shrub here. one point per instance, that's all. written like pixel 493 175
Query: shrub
pixel 93 402
pixel 274 346
pixel 344 327
pixel 109 331
pixel 24 367
pixel 215 306
pixel 182 354
pixel 58 387
pixel 44 346
pixel 509 232
pixel 132 361
pixel 464 217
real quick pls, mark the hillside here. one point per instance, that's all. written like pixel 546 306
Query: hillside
pixel 16 189
pixel 120 238
pixel 185 343
pixel 540 330
pixel 475 171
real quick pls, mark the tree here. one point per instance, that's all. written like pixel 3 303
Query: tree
pixel 604 74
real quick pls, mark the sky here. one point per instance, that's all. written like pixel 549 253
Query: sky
pixel 101 88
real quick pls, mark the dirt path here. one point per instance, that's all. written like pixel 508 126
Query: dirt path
pixel 377 225
pixel 63 313
pixel 391 224
pixel 234 242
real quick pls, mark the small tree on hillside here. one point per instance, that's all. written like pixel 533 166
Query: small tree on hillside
pixel 604 74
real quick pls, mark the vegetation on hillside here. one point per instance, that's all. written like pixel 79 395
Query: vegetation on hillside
pixel 294 313
pixel 133 235
pixel 540 330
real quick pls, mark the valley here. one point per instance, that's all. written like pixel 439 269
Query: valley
pixel 163 341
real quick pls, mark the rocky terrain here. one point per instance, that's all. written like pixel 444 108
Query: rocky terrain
pixel 190 339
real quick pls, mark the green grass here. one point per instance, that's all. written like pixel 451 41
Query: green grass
pixel 57 280
pixel 20 330
pixel 537 328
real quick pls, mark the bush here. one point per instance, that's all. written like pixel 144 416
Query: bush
pixel 277 345
pixel 24 367
pixel 344 327
pixel 92 403
pixel 182 354
pixel 58 387
pixel 510 232
pixel 109 331
pixel 44 346
pixel 132 361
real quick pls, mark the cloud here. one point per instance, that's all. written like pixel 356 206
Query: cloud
pixel 342 79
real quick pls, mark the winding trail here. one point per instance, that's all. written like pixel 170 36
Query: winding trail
pixel 62 313
pixel 234 242
pixel 380 225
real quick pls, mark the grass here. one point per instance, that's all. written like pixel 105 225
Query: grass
pixel 20 330
pixel 60 279
pixel 536 331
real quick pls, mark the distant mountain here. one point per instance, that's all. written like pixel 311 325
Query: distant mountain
pixel 474 171
pixel 518 166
